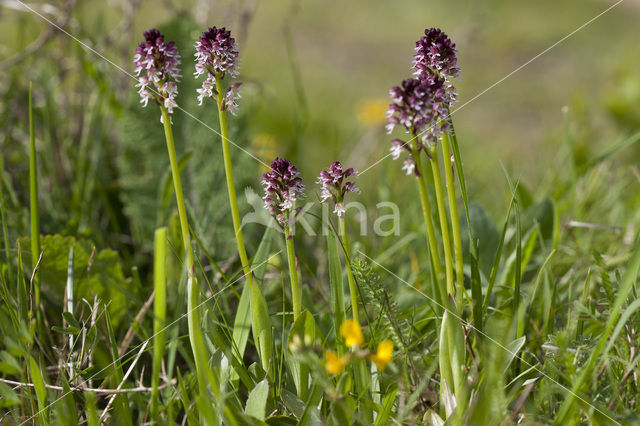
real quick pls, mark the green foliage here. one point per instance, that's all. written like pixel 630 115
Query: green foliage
pixel 97 274
pixel 385 311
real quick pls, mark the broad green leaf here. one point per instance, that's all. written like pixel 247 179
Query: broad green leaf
pixel 243 320
pixel 68 317
pixel 68 330
pixel 9 364
pixel 8 397
pixel 257 401
pixel 337 289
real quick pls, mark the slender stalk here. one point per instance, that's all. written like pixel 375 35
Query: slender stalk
pixel 444 225
pixel 455 219
pixel 159 314
pixel 193 320
pixel 303 385
pixel 454 345
pixel 431 233
pixel 233 202
pixel 34 205
pixel 353 290
pixel 293 273
pixel 360 367
pixel 237 227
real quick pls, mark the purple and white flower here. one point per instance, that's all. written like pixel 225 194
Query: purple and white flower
pixel 436 54
pixel 421 107
pixel 216 56
pixel 335 185
pixel 282 187
pixel 157 70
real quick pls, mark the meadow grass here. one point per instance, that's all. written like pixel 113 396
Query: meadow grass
pixel 456 319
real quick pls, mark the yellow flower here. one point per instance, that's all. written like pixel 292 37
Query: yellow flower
pixel 352 333
pixel 334 364
pixel 384 354
pixel 372 112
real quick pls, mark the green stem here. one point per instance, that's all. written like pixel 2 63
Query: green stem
pixel 34 205
pixel 455 219
pixel 444 225
pixel 293 273
pixel 228 168
pixel 237 227
pixel 193 320
pixel 160 314
pixel 297 308
pixel 353 290
pixel 431 233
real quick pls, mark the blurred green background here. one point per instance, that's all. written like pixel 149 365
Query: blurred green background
pixel 316 75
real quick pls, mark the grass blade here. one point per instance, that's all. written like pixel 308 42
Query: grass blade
pixel 34 206
pixel 591 365
pixel 337 290
pixel 160 314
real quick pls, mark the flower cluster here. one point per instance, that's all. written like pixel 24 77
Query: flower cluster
pixel 352 334
pixel 421 107
pixel 283 185
pixel 335 185
pixel 436 54
pixel 216 56
pixel 157 65
pixel 421 104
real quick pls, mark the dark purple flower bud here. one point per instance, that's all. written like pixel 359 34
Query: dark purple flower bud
pixel 421 106
pixel 217 53
pixel 157 66
pixel 282 187
pixel 216 56
pixel 335 186
pixel 436 54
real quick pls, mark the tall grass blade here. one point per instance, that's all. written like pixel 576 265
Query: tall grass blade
pixel 159 314
pixel 41 391
pixel 337 290
pixel 34 205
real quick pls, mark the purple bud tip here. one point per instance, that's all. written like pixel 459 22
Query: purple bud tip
pixel 157 70
pixel 436 53
pixel 216 56
pixel 282 186
pixel 335 186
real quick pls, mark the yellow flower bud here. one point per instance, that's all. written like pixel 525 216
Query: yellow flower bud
pixel 334 364
pixel 352 333
pixel 384 355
